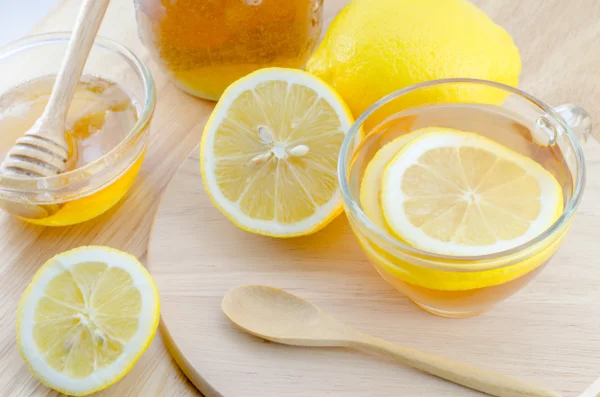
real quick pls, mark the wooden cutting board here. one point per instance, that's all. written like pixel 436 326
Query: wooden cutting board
pixel 561 54
pixel 548 333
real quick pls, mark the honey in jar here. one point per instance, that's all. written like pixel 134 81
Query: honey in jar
pixel 205 45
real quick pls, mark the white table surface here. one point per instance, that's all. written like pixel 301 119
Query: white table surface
pixel 18 17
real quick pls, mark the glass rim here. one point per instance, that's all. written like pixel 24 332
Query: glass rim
pixel 458 262
pixel 11 184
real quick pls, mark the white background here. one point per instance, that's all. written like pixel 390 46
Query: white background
pixel 18 17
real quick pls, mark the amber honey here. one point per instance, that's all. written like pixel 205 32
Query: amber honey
pixel 101 116
pixel 205 45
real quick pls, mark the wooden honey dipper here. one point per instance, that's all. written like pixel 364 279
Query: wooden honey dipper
pixel 44 151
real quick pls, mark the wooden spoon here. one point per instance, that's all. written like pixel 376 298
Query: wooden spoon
pixel 281 317
pixel 44 151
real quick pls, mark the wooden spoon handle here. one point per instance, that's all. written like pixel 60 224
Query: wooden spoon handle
pixel 85 31
pixel 463 374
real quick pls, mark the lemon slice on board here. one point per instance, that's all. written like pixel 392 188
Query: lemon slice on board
pixel 457 193
pixel 270 150
pixel 86 318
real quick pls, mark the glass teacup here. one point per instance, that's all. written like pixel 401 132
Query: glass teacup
pixel 460 286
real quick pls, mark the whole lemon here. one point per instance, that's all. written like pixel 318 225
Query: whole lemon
pixel 375 47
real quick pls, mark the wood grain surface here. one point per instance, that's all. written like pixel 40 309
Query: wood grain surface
pixel 560 49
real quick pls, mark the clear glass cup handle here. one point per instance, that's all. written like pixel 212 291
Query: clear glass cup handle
pixel 579 120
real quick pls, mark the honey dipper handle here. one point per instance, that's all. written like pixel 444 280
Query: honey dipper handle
pixel 472 377
pixel 85 31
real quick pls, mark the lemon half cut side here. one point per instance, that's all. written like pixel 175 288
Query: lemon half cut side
pixel 269 153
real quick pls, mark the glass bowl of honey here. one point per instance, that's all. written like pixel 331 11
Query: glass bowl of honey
pixel 470 198
pixel 107 128
pixel 205 45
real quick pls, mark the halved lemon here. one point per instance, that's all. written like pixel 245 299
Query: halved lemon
pixel 458 193
pixel 86 318
pixel 270 150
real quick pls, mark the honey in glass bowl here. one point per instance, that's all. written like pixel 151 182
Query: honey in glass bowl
pixel 99 118
pixel 107 128
pixel 205 45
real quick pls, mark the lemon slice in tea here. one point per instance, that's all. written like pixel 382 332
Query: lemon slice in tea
pixel 457 193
